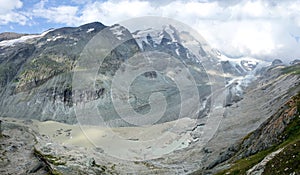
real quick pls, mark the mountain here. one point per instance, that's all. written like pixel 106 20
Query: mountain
pixel 10 36
pixel 37 72
pixel 264 127
pixel 234 109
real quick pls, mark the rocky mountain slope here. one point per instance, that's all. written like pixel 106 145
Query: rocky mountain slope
pixel 253 103
pixel 10 36
pixel 274 127
pixel 247 129
pixel 37 71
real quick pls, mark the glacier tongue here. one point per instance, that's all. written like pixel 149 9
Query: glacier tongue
pixel 239 73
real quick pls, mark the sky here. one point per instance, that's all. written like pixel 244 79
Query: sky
pixel 256 28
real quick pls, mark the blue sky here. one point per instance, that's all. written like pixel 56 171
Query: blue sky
pixel 25 17
pixel 257 28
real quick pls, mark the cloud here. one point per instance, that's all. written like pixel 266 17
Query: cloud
pixel 8 13
pixel 253 28
pixel 259 28
pixel 61 14
pixel 9 5
pixel 112 12
pixel 13 17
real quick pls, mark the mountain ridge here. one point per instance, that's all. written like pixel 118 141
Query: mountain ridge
pixel 36 75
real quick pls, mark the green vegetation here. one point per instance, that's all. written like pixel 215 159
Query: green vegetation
pixel 295 69
pixel 241 166
pixel 49 159
pixel 297 98
pixel 285 162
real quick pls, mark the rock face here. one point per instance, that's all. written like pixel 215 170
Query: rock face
pixel 16 150
pixel 271 132
pixel 276 92
pixel 277 139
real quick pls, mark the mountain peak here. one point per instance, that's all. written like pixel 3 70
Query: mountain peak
pixel 92 25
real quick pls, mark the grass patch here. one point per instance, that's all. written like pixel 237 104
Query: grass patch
pixel 241 166
pixel 49 159
pixel 286 162
pixel 292 70
pixel 291 134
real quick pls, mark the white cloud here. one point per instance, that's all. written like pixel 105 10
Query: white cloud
pixel 8 13
pixel 110 13
pixel 62 14
pixel 8 5
pixel 255 28
pixel 13 17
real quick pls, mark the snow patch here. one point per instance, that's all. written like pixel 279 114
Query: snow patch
pixel 90 30
pixel 177 52
pixel 54 38
pixel 156 34
pixel 22 39
pixel 118 31
pixel 248 64
pixel 141 35
pixel 18 40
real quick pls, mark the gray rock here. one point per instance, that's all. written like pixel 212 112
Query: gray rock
pixel 277 62
pixel 294 62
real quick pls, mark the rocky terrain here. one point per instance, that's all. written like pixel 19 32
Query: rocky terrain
pixel 247 108
pixel 40 147
pixel 10 36
pixel 272 124
pixel 38 72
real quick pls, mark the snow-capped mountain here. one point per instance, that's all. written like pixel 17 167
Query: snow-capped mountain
pixel 242 65
pixel 36 82
pixel 56 51
pixel 174 40
pixel 45 63
pixel 238 72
